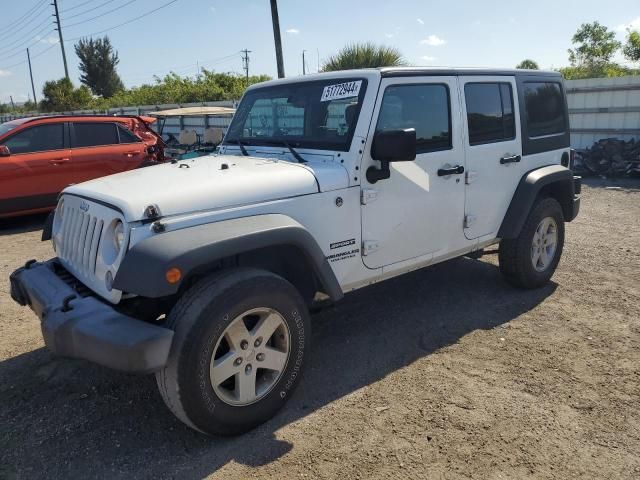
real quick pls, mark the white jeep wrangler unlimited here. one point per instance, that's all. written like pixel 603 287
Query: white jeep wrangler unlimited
pixel 203 271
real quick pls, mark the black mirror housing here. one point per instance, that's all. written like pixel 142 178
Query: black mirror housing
pixel 394 145
pixel 391 146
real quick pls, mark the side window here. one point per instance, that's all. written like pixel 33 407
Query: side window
pixel 126 136
pixel 489 112
pixel 95 134
pixel 37 139
pixel 545 108
pixel 423 107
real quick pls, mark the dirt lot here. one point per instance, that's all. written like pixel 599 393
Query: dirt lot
pixel 443 373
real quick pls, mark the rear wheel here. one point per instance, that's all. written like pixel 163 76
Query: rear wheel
pixel 238 351
pixel 530 260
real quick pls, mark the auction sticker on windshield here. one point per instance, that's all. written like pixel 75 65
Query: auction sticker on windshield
pixel 341 90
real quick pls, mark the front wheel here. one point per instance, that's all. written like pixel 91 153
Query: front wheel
pixel 530 260
pixel 238 350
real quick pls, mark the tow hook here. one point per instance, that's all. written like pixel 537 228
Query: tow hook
pixel 66 303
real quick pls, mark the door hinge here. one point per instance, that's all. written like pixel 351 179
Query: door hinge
pixel 470 176
pixel 469 220
pixel 369 246
pixel 368 195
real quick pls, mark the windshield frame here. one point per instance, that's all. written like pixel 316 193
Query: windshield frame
pixel 253 95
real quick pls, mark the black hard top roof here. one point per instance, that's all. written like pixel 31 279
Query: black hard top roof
pixel 443 71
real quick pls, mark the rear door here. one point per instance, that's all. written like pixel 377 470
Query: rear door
pixel 493 150
pixel 37 170
pixel 103 148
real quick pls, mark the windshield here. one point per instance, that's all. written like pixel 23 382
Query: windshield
pixel 318 114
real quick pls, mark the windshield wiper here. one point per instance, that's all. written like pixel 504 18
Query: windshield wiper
pixel 284 143
pixel 239 143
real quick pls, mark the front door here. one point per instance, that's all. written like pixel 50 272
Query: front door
pixel 419 210
pixel 493 151
pixel 37 169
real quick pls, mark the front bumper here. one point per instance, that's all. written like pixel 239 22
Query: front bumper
pixel 80 326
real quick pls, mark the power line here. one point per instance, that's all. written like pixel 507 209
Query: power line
pixel 22 40
pixel 101 15
pixel 88 11
pixel 78 6
pixel 124 23
pixel 32 58
pixel 20 24
pixel 28 46
pixel 26 14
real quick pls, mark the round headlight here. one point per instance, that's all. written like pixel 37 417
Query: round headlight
pixel 118 237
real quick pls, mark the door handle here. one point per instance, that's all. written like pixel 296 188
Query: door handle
pixel 134 152
pixel 58 161
pixel 510 159
pixel 457 170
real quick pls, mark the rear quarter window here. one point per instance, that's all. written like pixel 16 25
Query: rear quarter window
pixel 544 106
pixel 544 118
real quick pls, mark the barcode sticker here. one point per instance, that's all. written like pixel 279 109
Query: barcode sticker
pixel 341 90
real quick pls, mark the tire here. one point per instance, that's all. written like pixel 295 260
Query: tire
pixel 208 335
pixel 517 257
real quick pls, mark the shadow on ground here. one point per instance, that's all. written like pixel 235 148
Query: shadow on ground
pixel 625 184
pixel 25 224
pixel 63 418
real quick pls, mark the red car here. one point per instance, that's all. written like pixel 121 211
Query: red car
pixel 40 156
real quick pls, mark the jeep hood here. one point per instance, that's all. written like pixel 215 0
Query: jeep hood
pixel 203 183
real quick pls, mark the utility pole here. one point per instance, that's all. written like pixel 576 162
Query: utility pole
pixel 245 63
pixel 64 55
pixel 33 88
pixel 276 37
pixel 304 70
pixel 13 105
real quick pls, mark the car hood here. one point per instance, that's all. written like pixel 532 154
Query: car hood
pixel 203 183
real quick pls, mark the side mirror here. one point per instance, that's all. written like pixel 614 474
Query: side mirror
pixel 391 146
pixel 4 151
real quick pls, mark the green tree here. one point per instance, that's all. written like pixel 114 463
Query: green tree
pixel 98 61
pixel 631 49
pixel 595 45
pixel 364 55
pixel 60 95
pixel 528 64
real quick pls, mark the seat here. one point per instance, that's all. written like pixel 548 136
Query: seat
pixel 213 135
pixel 188 137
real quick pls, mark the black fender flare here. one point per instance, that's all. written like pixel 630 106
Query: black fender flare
pixel 143 268
pixel 559 180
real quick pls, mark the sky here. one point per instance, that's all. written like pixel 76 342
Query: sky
pixel 189 34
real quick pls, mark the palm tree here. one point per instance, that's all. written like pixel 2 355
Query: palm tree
pixel 528 64
pixel 364 55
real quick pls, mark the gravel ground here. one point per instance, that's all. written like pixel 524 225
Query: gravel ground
pixel 443 373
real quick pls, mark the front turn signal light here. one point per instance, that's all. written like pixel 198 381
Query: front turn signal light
pixel 173 275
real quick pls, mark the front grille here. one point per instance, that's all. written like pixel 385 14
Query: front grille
pixel 81 233
pixel 79 240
